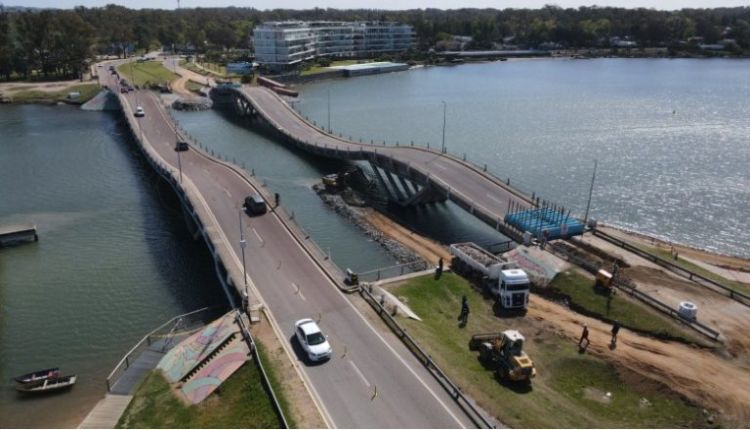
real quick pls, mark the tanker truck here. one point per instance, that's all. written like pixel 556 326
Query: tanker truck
pixel 497 277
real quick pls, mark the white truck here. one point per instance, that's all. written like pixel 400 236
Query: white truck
pixel 502 280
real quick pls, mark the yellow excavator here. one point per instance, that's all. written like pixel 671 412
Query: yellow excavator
pixel 504 353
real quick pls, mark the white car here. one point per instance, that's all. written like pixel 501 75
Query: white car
pixel 312 340
pixel 139 112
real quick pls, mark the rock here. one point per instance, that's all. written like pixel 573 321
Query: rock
pixel 195 104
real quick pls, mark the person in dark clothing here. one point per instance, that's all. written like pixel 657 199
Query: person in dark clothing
pixel 277 199
pixel 615 330
pixel 584 337
pixel 464 316
pixel 439 269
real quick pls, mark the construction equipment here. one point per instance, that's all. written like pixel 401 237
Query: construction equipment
pixel 503 353
pixel 499 278
pixel 603 279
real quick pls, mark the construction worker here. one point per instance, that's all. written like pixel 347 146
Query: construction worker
pixel 464 316
pixel 615 330
pixel 439 268
pixel 584 337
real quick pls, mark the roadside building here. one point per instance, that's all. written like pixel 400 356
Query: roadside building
pixel 281 44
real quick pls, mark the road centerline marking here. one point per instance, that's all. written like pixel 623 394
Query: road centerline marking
pixel 359 372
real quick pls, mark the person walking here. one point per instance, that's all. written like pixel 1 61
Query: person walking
pixel 464 316
pixel 584 337
pixel 615 330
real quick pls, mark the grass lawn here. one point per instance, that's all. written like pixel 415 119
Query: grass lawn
pixel 193 86
pixel 240 402
pixel 665 254
pixel 315 69
pixel 628 312
pixel 88 91
pixel 570 388
pixel 152 72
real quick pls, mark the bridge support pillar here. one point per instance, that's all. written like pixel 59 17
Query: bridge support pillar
pixel 381 181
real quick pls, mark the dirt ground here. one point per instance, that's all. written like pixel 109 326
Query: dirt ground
pixel 428 249
pixel 699 375
pixel 704 376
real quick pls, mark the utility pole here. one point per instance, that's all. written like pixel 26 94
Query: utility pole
pixel 591 191
pixel 243 243
pixel 329 111
pixel 445 108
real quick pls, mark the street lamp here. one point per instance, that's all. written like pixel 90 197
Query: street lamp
pixel 243 244
pixel 445 107
pixel 329 111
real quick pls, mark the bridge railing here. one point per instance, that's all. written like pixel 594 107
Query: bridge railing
pixel 184 323
pixel 393 271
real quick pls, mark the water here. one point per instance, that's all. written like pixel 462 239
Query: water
pixel 292 174
pixel 672 137
pixel 114 259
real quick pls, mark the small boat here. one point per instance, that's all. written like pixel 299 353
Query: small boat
pixel 39 375
pixel 49 384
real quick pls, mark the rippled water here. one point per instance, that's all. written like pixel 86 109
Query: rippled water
pixel 114 259
pixel 672 137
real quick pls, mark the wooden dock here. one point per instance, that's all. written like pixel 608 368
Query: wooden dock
pixel 17 233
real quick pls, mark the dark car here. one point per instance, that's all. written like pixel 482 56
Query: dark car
pixel 255 205
pixel 181 146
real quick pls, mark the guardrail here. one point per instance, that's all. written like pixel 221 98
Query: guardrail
pixel 453 390
pixel 259 364
pixel 633 291
pixel 392 271
pixel 674 268
pixel 184 322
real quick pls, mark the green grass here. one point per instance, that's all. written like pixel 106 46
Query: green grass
pixel 149 72
pixel 240 402
pixel 193 86
pixel 681 262
pixel 273 378
pixel 628 312
pixel 88 91
pixel 556 397
pixel 316 69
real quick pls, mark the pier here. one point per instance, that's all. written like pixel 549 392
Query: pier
pixel 17 233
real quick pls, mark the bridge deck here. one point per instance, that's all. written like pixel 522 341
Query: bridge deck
pixel 293 287
pixel 476 191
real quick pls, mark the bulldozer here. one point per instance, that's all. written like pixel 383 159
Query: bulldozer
pixel 503 352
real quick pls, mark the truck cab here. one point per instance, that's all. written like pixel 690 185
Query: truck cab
pixel 512 289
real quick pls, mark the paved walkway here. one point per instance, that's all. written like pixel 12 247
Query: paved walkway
pixel 106 413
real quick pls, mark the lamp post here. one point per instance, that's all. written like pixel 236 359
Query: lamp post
pixel 329 111
pixel 588 203
pixel 243 243
pixel 445 108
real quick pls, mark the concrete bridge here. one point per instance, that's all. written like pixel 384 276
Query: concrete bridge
pixel 409 174
pixel 373 380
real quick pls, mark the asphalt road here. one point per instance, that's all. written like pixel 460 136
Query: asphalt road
pixel 294 287
pixel 466 185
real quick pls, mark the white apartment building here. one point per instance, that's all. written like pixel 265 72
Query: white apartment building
pixel 285 43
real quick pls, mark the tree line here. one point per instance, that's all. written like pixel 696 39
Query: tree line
pixel 59 42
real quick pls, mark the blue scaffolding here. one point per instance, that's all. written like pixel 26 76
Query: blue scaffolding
pixel 554 221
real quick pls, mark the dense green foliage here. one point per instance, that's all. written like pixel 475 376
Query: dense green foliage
pixel 59 41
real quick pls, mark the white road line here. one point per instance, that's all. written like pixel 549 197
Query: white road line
pixel 226 191
pixel 373 330
pixel 258 235
pixel 494 198
pixel 440 166
pixel 298 291
pixel 359 372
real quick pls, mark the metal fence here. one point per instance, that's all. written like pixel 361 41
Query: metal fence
pixel 629 288
pixel 681 271
pixel 259 364
pixel 182 323
pixel 458 396
pixel 393 271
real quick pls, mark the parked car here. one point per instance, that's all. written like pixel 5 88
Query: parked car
pixel 139 112
pixel 312 340
pixel 181 146
pixel 255 205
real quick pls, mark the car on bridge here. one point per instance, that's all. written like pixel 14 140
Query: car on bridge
pixel 139 112
pixel 312 340
pixel 181 146
pixel 255 205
